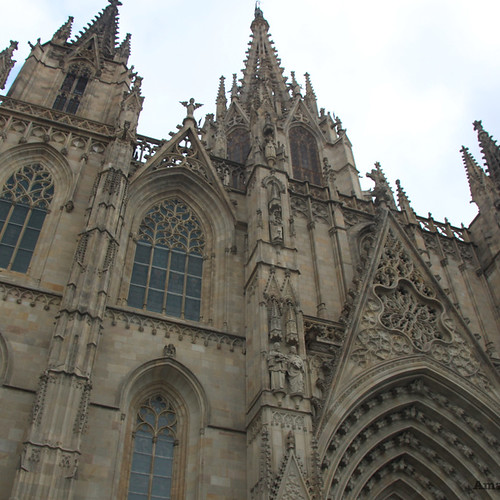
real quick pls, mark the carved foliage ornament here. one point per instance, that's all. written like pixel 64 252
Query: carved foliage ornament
pixel 401 318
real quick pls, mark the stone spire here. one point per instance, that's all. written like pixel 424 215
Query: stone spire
pixel 262 73
pixel 221 100
pixel 479 183
pixel 404 203
pixel 491 153
pixel 124 49
pixel 310 97
pixel 105 28
pixel 6 63
pixel 64 32
pixel 234 88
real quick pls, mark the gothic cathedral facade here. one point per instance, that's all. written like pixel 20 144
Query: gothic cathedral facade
pixel 227 314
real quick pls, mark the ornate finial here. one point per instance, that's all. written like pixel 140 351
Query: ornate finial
pixel 478 125
pixel 491 153
pixel 382 191
pixel 258 11
pixel 6 62
pixel 191 106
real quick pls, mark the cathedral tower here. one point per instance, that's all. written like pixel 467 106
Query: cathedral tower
pixel 227 314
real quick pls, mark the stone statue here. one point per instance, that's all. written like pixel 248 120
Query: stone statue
pixel 295 372
pixel 277 364
pixel 270 152
pixel 169 351
pixel 191 106
pixel 275 224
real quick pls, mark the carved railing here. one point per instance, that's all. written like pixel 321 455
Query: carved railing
pixel 232 174
pixel 51 115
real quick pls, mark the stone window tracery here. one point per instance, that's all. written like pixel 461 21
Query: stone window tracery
pixel 305 156
pixel 72 89
pixel 238 145
pixel 24 203
pixel 154 439
pixel 168 263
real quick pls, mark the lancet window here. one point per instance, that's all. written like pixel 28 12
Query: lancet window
pixel 24 203
pixel 305 156
pixel 238 145
pixel 154 439
pixel 72 89
pixel 168 263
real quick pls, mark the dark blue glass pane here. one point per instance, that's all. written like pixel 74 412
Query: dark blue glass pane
pixel 175 282
pixel 162 467
pixel 4 210
pixel 192 309
pixel 193 287
pixel 142 253
pixel 177 262
pixel 137 496
pixel 165 446
pixel 160 257
pixel 21 261
pixel 139 274
pixel 141 463
pixel 155 301
pixel 195 265
pixel 161 487
pixel 36 219
pixel 11 234
pixel 5 255
pixel 174 305
pixel 143 443
pixel 158 277
pixel 29 239
pixel 19 214
pixel 136 296
pixel 139 483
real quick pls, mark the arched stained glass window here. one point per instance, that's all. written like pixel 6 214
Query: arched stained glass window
pixel 166 276
pixel 238 145
pixel 154 438
pixel 305 157
pixel 24 203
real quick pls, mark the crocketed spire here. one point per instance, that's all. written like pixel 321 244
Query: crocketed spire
pixel 262 74
pixel 491 153
pixel 105 28
pixel 64 32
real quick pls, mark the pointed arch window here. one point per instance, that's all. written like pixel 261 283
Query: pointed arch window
pixel 72 88
pixel 154 439
pixel 305 156
pixel 168 263
pixel 24 203
pixel 238 145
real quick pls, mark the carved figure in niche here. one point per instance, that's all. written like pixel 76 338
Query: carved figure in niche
pixel 291 324
pixel 295 372
pixel 275 333
pixel 275 224
pixel 270 151
pixel 169 351
pixel 277 364
pixel 191 106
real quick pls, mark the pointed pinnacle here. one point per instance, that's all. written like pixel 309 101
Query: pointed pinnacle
pixel 491 153
pixel 6 63
pixel 234 88
pixel 221 94
pixel 475 175
pixel 125 48
pixel 404 202
pixel 309 88
pixel 64 32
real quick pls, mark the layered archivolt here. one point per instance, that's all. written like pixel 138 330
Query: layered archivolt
pixel 397 444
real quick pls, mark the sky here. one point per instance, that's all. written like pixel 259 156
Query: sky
pixel 407 77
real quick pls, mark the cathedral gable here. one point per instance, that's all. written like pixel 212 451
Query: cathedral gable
pixel 402 312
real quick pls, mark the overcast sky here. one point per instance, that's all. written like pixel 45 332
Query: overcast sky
pixel 407 77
